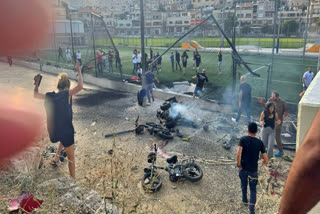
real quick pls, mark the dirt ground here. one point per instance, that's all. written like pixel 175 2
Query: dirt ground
pixel 117 176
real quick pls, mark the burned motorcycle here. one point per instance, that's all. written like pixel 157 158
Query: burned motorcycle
pixel 186 169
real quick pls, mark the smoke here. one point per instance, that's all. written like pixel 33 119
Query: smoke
pixel 178 110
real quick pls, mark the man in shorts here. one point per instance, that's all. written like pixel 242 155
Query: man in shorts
pixel 201 78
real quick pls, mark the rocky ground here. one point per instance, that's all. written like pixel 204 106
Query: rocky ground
pixel 116 176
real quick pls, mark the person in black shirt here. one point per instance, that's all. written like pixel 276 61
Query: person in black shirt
pixel 247 161
pixel 178 60
pixel 201 78
pixel 197 57
pixel 59 115
pixel 268 119
pixel 159 60
pixel 219 61
pixel 244 100
pixel 184 58
pixel 151 53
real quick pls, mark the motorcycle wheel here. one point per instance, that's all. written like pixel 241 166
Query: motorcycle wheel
pixel 173 178
pixel 192 172
pixel 153 183
pixel 165 135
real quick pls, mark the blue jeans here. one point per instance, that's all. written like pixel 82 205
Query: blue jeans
pixel 149 88
pixel 196 91
pixel 247 109
pixel 253 180
pixel 135 68
pixel 110 66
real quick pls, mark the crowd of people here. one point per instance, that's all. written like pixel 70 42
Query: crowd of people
pixel 271 119
pixel 250 148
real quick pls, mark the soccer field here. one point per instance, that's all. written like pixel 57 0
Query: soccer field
pixel 209 42
pixel 286 78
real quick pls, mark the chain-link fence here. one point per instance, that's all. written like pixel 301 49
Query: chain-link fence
pixel 103 56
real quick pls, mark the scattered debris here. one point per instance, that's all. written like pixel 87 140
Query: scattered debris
pixel 26 202
pixel 286 135
pixel 287 158
pixel 206 127
pixel 185 139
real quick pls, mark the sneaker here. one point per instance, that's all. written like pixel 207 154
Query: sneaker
pixel 278 154
pixel 234 120
pixel 152 99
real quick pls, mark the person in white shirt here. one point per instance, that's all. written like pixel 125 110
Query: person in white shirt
pixel 68 55
pixel 134 61
pixel 307 78
pixel 139 72
pixel 139 59
pixel 79 57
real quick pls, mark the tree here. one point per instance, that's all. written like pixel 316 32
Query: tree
pixel 162 8
pixel 228 24
pixel 246 29
pixel 318 22
pixel 304 8
pixel 290 27
pixel 266 29
pixel 189 6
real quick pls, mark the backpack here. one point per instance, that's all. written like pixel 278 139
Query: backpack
pixel 140 96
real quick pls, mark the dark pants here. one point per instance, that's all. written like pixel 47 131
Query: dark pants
pixel 178 63
pixel 252 177
pixel 80 61
pixel 172 63
pixel 100 67
pixel 247 109
pixel 117 63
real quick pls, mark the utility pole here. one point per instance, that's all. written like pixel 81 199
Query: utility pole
pixel 306 33
pixel 143 58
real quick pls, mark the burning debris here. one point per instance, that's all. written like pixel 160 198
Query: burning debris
pixel 172 113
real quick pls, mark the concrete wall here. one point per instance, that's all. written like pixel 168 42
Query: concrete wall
pixel 307 109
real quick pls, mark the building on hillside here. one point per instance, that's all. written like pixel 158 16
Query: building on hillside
pixel 314 17
pixel 206 3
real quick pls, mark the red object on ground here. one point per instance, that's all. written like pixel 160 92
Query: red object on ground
pixel 30 203
pixel 26 201
pixel 18 130
pixel 134 79
pixel 25 25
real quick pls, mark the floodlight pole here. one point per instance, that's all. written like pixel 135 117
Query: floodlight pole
pixel 306 33
pixel 143 58
pixel 94 46
pixel 234 64
pixel 274 38
pixel 70 19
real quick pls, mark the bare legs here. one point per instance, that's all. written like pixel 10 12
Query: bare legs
pixel 71 161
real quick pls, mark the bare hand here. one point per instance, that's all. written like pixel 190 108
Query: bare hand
pixel 260 100
pixel 278 122
pixel 37 80
pixel 262 122
pixel 240 168
pixel 284 118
